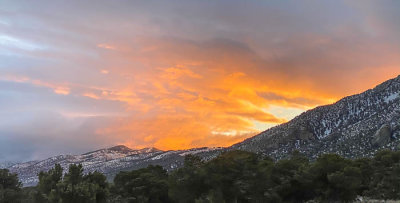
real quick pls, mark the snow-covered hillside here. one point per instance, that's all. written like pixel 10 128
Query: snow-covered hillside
pixel 108 161
pixel 356 126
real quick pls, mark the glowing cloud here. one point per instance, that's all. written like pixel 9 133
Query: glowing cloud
pixel 181 74
pixel 106 46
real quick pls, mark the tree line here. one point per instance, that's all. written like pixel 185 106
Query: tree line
pixel 234 176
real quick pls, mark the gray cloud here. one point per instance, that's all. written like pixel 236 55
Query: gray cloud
pixel 329 48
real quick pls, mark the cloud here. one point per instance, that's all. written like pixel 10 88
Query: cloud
pixel 46 134
pixel 12 42
pixel 58 89
pixel 106 46
pixel 180 74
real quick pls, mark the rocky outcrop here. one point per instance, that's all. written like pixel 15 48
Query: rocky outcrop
pixel 382 136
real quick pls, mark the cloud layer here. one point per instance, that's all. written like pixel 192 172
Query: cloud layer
pixel 76 76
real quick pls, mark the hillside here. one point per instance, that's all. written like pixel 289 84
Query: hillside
pixel 355 126
pixel 108 161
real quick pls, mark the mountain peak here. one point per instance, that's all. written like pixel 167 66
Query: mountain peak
pixel 149 150
pixel 120 148
pixel 397 78
pixel 125 149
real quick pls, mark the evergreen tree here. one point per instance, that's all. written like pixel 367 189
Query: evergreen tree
pixel 334 178
pixel 187 183
pixel 74 187
pixel 287 178
pixel 144 185
pixel 47 190
pixel 233 176
pixel 10 187
pixel 385 181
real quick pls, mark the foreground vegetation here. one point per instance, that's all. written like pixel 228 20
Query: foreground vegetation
pixel 234 176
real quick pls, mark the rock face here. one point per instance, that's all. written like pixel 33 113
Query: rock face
pixel 382 136
pixel 355 126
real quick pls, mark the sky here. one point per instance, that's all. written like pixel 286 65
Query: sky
pixel 82 75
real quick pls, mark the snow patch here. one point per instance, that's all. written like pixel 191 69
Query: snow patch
pixel 391 97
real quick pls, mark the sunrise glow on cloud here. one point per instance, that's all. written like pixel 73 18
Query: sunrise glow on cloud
pixel 178 74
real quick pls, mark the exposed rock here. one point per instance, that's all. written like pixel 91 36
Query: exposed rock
pixel 382 136
pixel 300 133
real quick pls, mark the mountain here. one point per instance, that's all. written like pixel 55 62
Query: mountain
pixel 355 126
pixel 7 164
pixel 109 161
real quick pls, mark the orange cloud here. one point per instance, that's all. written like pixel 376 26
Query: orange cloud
pixel 62 90
pixel 91 95
pixel 182 75
pixel 180 94
pixel 189 95
pixel 57 88
pixel 106 46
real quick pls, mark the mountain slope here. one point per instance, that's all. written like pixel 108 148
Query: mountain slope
pixel 355 126
pixel 109 161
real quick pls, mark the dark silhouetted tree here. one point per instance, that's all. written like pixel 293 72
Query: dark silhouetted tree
pixel 187 183
pixel 10 187
pixel 144 185
pixel 74 187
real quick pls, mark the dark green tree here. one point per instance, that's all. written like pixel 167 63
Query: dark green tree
pixel 385 181
pixel 74 175
pixel 345 183
pixel 187 183
pixel 366 169
pixel 334 178
pixel 10 187
pixel 144 185
pixel 47 190
pixel 98 186
pixel 77 187
pixel 288 178
pixel 74 187
pixel 234 176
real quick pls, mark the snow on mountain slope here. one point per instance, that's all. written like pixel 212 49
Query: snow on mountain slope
pixel 355 126
pixel 7 164
pixel 109 161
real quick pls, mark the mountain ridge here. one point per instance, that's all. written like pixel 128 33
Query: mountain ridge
pixel 356 116
pixel 125 149
pixel 108 161
pixel 355 126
